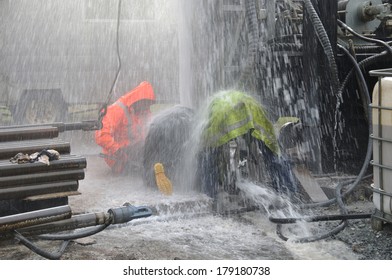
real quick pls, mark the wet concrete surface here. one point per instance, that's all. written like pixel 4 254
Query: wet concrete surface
pixel 184 227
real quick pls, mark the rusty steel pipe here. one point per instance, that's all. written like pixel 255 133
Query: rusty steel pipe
pixel 75 222
pixel 12 222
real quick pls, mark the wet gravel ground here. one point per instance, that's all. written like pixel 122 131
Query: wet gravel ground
pixel 239 237
pixel 359 235
pixel 369 244
pixel 218 238
pixel 186 229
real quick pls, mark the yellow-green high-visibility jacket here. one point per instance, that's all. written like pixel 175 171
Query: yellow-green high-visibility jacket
pixel 232 114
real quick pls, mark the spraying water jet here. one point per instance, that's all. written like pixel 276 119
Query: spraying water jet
pixel 285 54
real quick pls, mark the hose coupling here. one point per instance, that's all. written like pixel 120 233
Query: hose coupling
pixel 128 212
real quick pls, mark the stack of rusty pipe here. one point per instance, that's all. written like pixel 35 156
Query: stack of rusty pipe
pixel 36 183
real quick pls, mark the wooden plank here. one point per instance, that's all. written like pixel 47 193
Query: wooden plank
pixel 309 184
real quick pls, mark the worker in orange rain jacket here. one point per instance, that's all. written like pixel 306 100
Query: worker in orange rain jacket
pixel 124 128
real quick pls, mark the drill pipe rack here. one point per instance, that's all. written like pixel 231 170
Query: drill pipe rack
pixel 33 186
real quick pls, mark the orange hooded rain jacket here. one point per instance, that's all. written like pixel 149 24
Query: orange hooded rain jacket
pixel 117 132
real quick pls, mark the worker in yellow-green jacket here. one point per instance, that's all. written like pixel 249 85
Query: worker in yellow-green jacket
pixel 238 140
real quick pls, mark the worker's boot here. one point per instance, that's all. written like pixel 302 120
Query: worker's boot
pixel 163 183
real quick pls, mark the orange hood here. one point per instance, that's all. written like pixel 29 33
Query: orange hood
pixel 142 91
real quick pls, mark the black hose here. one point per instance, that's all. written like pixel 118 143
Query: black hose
pixel 309 239
pixel 320 218
pixel 367 61
pixel 332 232
pixel 76 235
pixel 102 112
pixel 65 237
pixel 363 85
pixel 367 48
pixel 323 38
pixel 39 251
